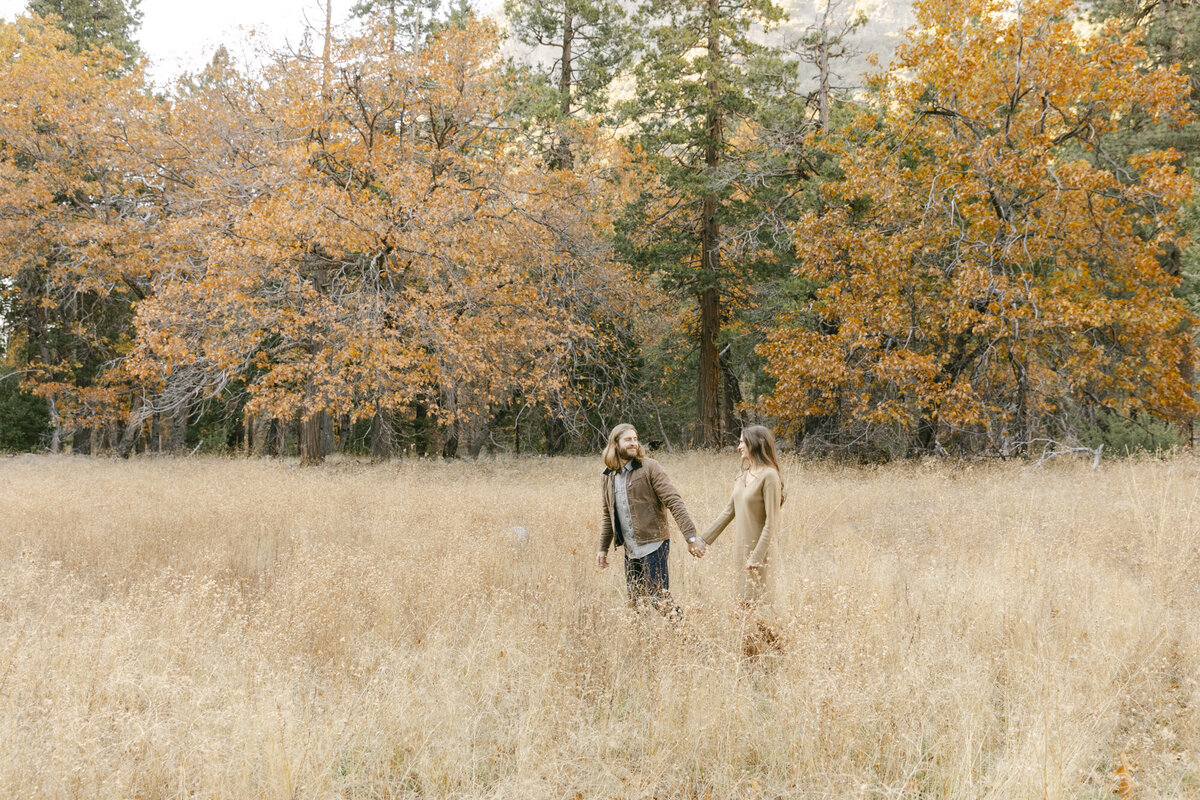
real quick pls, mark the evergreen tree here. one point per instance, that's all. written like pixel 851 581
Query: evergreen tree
pixel 94 23
pixel 24 419
pixel 589 42
pixel 408 21
pixel 718 113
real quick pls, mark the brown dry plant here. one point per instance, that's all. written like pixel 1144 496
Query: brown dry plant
pixel 246 629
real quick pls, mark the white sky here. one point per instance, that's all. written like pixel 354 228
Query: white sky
pixel 179 35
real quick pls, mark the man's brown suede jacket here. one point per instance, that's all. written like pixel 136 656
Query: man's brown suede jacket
pixel 650 495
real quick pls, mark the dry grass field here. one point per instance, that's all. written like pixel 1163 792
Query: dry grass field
pixel 247 629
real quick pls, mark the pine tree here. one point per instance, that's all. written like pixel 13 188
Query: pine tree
pixel 706 87
pixel 408 22
pixel 590 42
pixel 94 23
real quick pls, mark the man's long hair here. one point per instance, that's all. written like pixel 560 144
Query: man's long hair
pixel 612 459
pixel 760 446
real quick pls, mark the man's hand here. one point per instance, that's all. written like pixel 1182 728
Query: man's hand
pixel 602 559
pixel 697 547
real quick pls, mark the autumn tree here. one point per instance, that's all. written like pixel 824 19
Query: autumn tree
pixel 379 247
pixel 1171 33
pixel 578 50
pixel 987 281
pixel 75 221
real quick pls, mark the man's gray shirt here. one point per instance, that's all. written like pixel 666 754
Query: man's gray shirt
pixel 625 517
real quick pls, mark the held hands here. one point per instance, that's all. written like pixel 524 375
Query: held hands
pixel 696 548
pixel 754 566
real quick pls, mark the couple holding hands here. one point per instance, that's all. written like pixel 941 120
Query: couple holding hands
pixel 637 495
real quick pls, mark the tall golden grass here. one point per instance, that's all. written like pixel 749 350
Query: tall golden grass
pixel 247 629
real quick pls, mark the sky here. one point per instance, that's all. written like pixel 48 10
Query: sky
pixel 182 36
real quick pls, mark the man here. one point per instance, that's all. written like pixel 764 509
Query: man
pixel 636 495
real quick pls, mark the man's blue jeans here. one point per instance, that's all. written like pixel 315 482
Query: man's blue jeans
pixel 647 580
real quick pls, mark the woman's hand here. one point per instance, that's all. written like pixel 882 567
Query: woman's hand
pixel 602 559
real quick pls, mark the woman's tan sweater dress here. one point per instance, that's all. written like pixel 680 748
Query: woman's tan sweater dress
pixel 754 511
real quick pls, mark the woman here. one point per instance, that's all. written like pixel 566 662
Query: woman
pixel 754 509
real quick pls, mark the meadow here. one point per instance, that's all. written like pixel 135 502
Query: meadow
pixel 208 628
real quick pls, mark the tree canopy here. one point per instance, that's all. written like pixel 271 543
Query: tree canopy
pixel 402 238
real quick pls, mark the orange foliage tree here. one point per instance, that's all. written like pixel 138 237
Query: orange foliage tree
pixel 76 215
pixel 368 238
pixel 987 278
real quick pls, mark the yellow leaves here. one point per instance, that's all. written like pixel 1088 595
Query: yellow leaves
pixel 1162 178
pixel 963 239
pixel 350 263
pixel 1025 72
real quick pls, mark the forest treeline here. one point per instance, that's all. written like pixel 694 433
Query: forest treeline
pixel 400 239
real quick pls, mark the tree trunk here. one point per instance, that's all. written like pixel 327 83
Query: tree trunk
pixel 258 433
pixel 56 431
pixel 450 446
pixel 926 428
pixel 128 441
pixel 392 23
pixel 708 433
pixel 326 61
pixel 450 404
pixel 564 78
pixel 155 445
pixel 556 434
pixel 476 446
pixel 326 434
pixel 133 430
pixel 563 158
pixel 823 73
pixel 381 435
pixel 735 420
pixel 1024 413
pixel 311 439
pixel 179 424
pixel 421 427
pixel 708 398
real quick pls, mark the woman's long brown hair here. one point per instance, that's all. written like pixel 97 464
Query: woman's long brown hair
pixel 760 446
